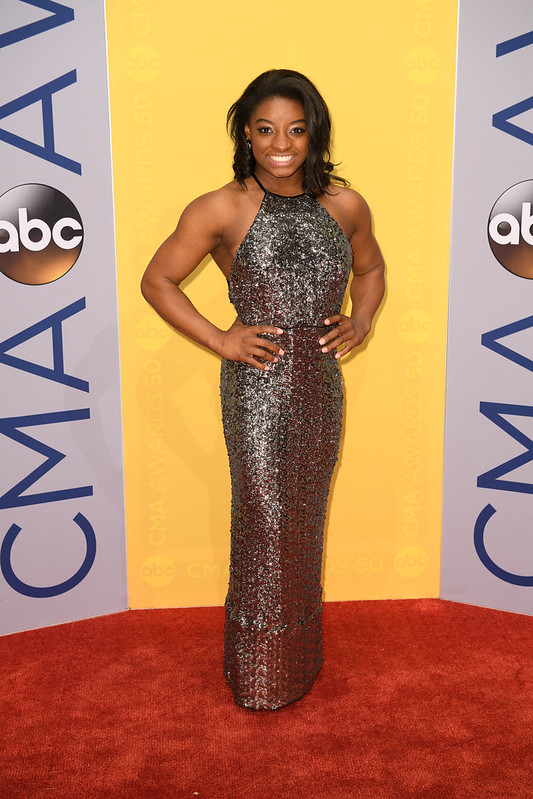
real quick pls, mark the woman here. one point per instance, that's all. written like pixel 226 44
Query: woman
pixel 285 233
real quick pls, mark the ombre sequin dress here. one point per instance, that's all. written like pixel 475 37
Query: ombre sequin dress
pixel 282 430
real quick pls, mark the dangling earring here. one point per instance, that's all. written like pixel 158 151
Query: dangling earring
pixel 249 143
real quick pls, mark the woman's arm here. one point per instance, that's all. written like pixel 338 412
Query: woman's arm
pixel 199 231
pixel 367 288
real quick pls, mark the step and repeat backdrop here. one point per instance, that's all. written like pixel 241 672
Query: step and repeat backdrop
pixel 386 70
pixel 487 554
pixel 62 541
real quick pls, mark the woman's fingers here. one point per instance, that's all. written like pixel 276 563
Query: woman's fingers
pixel 247 343
pixel 335 319
pixel 334 338
pixel 251 361
pixel 277 331
pixel 267 355
pixel 333 335
pixel 260 358
pixel 336 343
pixel 344 351
pixel 263 351
pixel 349 333
pixel 266 344
pixel 251 343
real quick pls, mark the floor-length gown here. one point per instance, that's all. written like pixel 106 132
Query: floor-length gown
pixel 282 430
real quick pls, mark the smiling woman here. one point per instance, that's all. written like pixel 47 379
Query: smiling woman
pixel 285 233
pixel 249 119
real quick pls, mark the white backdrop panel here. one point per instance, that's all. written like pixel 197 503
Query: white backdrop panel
pixel 487 556
pixel 62 552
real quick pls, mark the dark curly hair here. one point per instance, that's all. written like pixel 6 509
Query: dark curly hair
pixel 293 85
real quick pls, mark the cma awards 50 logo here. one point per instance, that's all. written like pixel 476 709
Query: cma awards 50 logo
pixel 41 234
pixel 510 229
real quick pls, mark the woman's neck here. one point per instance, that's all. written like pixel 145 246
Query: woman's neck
pixel 286 186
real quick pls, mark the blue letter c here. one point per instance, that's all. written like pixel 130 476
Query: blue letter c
pixel 52 590
pixel 479 543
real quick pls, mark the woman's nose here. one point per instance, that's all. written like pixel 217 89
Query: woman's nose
pixel 281 141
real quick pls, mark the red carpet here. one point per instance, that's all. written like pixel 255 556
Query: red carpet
pixel 417 698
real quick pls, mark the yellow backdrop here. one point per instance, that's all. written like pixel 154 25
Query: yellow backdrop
pixel 386 70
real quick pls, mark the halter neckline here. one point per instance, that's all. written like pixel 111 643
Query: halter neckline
pixel 273 193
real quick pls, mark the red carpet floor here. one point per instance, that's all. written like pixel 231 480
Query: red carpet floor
pixel 417 698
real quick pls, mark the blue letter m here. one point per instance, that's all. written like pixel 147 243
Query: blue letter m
pixel 491 479
pixel 10 427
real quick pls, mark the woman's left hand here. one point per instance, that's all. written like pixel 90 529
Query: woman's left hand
pixel 348 334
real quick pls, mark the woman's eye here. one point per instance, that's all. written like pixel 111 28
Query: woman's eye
pixel 263 131
pixel 298 131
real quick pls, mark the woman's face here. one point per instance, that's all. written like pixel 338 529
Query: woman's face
pixel 279 136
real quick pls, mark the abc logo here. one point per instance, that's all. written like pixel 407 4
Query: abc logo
pixel 510 229
pixel 422 64
pixel 142 63
pixel 158 571
pixel 415 326
pixel 411 562
pixel 151 333
pixel 41 234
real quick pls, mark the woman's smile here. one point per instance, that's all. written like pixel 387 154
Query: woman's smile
pixel 281 159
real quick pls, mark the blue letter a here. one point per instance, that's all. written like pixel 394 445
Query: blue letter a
pixel 501 119
pixel 53 322
pixel 491 340
pixel 41 95
pixel 61 14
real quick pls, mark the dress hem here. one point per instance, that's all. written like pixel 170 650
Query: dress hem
pixel 257 705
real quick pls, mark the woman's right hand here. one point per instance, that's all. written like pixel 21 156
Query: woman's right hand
pixel 243 343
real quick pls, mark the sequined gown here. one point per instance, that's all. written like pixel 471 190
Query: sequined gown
pixel 282 430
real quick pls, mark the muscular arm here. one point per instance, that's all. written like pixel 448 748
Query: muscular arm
pixel 199 232
pixel 368 283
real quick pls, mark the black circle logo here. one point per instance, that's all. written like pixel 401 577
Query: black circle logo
pixel 41 234
pixel 510 229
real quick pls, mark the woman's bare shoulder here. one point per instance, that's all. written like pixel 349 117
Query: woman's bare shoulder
pixel 218 201
pixel 218 212
pixel 348 207
pixel 348 200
